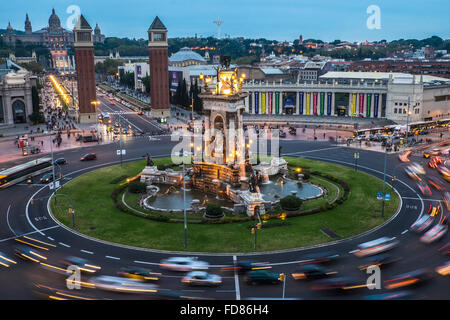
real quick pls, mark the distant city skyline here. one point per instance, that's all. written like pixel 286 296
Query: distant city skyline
pixel 282 20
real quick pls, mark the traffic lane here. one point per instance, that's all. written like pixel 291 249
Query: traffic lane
pixel 414 255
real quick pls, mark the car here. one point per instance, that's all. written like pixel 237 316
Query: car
pixel 435 162
pixel 424 188
pixel 140 113
pixel 245 266
pixel 139 274
pixel 376 246
pixel 379 260
pixel 445 172
pixel 60 161
pixel 434 234
pixel 183 264
pixel 116 131
pixel 336 284
pixel 397 295
pixel 46 178
pixel 116 124
pixel 262 276
pixel 89 156
pixel 311 271
pixel 404 156
pixel 445 220
pixel 443 270
pixel 434 152
pixel 119 284
pixel 422 224
pixel 282 134
pixel 320 257
pixel 412 278
pixel 417 167
pixel 83 264
pixel 412 173
pixel 436 183
pixel 125 131
pixel 447 200
pixel 27 253
pixel 201 278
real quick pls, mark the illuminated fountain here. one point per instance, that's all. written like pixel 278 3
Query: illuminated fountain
pixel 222 173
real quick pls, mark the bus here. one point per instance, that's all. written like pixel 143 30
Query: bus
pixel 21 172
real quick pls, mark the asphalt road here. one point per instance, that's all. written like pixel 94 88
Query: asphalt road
pixel 18 218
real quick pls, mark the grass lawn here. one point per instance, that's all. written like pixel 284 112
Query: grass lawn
pixel 97 216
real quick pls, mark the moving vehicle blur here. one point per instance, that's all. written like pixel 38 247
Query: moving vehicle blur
pixel 138 273
pixel 27 253
pixel 412 278
pixel 201 278
pixel 379 260
pixel 89 156
pixel 119 284
pixel 434 234
pixel 262 276
pixel 83 264
pixel 183 264
pixel 443 270
pixel 320 257
pixel 422 224
pixel 424 188
pixel 311 271
pixel 375 246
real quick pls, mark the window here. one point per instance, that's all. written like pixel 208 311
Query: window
pixel 159 36
pixel 395 110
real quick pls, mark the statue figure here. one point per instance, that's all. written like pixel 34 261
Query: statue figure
pixel 252 183
pixel 149 160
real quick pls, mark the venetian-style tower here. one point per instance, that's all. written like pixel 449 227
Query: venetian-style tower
pixel 159 69
pixel 84 57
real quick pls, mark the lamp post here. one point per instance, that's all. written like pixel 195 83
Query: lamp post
pixel 184 209
pixel 384 178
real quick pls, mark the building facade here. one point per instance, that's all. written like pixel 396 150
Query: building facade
pixel 397 97
pixel 16 103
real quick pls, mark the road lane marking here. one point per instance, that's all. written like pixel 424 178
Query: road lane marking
pixel 25 234
pixel 110 257
pixel 51 238
pixel 236 281
pixel 405 231
pixel 7 220
pixel 85 251
pixel 64 245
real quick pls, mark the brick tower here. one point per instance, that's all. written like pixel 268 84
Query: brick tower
pixel 84 58
pixel 159 69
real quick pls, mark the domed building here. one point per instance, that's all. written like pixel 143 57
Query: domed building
pixel 186 57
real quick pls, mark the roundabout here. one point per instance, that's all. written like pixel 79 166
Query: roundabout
pixel 125 222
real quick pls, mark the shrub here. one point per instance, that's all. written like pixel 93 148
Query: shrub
pixel 291 203
pixel 137 187
pixel 214 211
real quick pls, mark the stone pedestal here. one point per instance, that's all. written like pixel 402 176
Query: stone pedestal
pixel 252 201
pixel 195 205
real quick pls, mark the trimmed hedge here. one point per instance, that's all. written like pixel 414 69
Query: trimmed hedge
pixel 137 187
pixel 291 203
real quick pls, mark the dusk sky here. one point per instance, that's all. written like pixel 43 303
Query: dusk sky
pixel 271 19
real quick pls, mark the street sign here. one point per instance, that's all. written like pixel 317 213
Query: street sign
pixel 387 196
pixel 356 155
pixel 380 196
pixel 51 185
pixel 57 185
pixel 123 152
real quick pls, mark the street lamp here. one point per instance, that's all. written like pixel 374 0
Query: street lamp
pixel 384 177
pixel 184 209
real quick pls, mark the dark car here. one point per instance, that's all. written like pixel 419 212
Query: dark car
pixel 311 271
pixel 262 276
pixel 282 134
pixel 46 178
pixel 336 284
pixel 412 278
pixel 245 266
pixel 89 156
pixel 83 264
pixel 60 161
pixel 320 257
pixel 378 260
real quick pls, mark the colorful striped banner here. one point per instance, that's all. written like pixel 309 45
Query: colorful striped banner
pixel 300 95
pixel 308 102
pixel 263 103
pixel 361 103
pixel 369 103
pixel 256 102
pixel 315 103
pixel 375 105
pixel 277 102
pixel 270 102
pixel 329 103
pixel 353 104
pixel 322 103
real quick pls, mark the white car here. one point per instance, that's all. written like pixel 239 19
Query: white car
pixel 434 233
pixel 120 284
pixel 202 278
pixel 422 224
pixel 183 264
pixel 375 246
